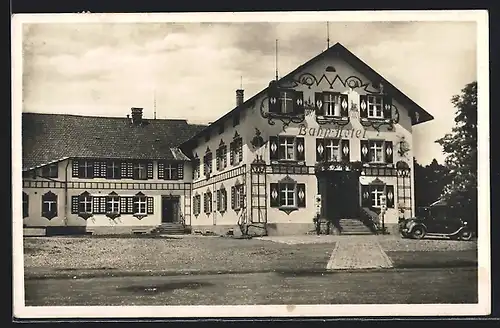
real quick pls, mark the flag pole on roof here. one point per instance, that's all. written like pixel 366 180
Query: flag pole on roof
pixel 154 104
pixel 327 35
pixel 276 63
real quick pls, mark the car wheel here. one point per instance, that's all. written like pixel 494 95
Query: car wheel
pixel 466 235
pixel 418 233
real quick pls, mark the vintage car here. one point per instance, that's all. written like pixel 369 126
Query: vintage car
pixel 435 221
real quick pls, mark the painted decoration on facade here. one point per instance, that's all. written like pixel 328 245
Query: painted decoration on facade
pixel 403 147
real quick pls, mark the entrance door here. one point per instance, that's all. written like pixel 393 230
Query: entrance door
pixel 169 209
pixel 340 194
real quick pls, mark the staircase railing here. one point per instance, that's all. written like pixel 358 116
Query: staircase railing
pixel 371 219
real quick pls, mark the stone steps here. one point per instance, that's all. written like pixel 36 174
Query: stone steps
pixel 354 227
pixel 170 229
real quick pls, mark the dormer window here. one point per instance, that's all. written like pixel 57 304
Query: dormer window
pixel 375 107
pixel 50 171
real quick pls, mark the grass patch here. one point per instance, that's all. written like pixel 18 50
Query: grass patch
pixel 433 259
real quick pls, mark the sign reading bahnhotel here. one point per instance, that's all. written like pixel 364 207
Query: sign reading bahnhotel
pixel 331 132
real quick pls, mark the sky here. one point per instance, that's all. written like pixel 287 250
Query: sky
pixel 191 70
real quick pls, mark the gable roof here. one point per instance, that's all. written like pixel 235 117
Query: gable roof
pixel 351 59
pixel 48 138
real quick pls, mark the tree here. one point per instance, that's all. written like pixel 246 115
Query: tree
pixel 430 182
pixel 460 147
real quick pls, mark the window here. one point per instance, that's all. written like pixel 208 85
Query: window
pixel 287 191
pixel 287 148
pixel 236 150
pixel 376 151
pixel 376 192
pixel 207 162
pixel 113 170
pixel 287 194
pixel 140 171
pixel 196 205
pixel 372 193
pixel 85 169
pixel 25 205
pixel 85 203
pixel 140 202
pixel 237 197
pixel 113 204
pixel 375 106
pixel 170 171
pixel 331 103
pixel 286 102
pixel 50 171
pixel 196 168
pixel 221 155
pixel 49 205
pixel 332 150
pixel 207 202
pixel 222 200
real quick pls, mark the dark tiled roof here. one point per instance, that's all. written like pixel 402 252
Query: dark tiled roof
pixel 48 138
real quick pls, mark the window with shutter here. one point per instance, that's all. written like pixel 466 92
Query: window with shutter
pixel 365 196
pixel 96 204
pixel 274 195
pixel 363 106
pixel 130 170
pixel 387 101
pixel 130 205
pixel 233 197
pixel 111 170
pixel 240 150
pixel 85 169
pixel 300 149
pixel 388 151
pixel 180 171
pixel 140 171
pixel 123 170
pixel 301 195
pixel 232 153
pixel 241 190
pixel 113 204
pixel 218 159
pixel 345 150
pixel 273 99
pixel 161 170
pixel 365 151
pixel 123 205
pixel 320 150
pixel 150 170
pixel 344 105
pixel 74 204
pixel 299 102
pixel 75 169
pixel 389 196
pixel 150 205
pixel 318 102
pixel 218 200
pixel 97 169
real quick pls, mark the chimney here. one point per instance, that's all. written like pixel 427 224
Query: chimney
pixel 136 115
pixel 239 97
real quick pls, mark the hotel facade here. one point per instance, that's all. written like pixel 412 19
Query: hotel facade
pixel 331 140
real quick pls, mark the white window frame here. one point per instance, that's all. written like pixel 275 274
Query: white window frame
pixel 331 104
pixel 285 190
pixel 374 147
pixel 140 201
pixel 375 194
pixel 110 202
pixel 375 106
pixel 284 142
pixel 332 145
pixel 85 200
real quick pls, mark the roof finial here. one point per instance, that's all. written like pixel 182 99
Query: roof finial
pixel 327 35
pixel 276 63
